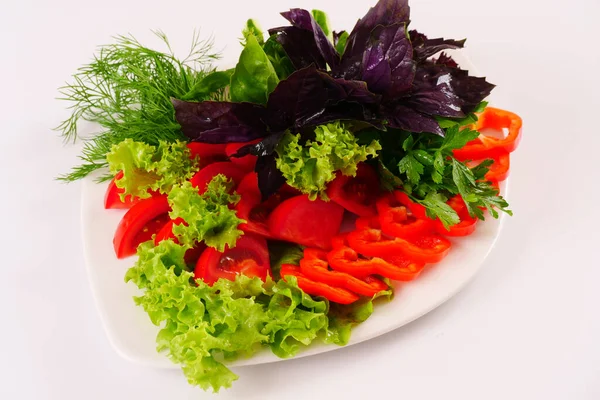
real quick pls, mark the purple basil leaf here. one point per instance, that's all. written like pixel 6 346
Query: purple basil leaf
pixel 304 20
pixel 471 89
pixel 425 48
pixel 445 59
pixel 310 97
pixel 434 94
pixel 387 61
pixel 265 147
pixel 385 12
pixel 300 47
pixel 220 122
pixel 270 178
pixel 402 117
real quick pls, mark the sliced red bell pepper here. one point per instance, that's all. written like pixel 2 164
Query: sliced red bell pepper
pixel 368 223
pixel 112 198
pixel 356 194
pixel 315 266
pixel 134 221
pixel 499 170
pixel 334 294
pixel 489 147
pixel 247 162
pixel 426 248
pixel 395 221
pixel 206 174
pixel 309 223
pixel 467 224
pixel 249 257
pixel 166 233
pixel 400 268
pixel 418 210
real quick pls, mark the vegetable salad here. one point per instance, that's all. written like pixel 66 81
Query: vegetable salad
pixel 273 204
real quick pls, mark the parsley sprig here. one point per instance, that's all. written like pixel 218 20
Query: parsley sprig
pixel 429 173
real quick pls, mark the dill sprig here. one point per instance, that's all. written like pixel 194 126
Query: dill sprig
pixel 127 90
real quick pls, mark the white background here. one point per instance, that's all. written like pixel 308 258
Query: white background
pixel 526 328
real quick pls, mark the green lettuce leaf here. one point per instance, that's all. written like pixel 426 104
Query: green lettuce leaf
pixel 311 166
pixel 202 325
pixel 253 28
pixel 208 216
pixel 254 77
pixel 147 167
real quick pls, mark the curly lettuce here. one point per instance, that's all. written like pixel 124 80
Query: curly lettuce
pixel 309 167
pixel 207 216
pixel 203 326
pixel 150 168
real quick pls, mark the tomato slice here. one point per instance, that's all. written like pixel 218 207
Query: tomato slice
pixel 112 198
pixel 133 222
pixel 205 175
pixel 247 162
pixel 309 223
pixel 249 257
pixel 356 194
pixel 208 153
pixel 166 233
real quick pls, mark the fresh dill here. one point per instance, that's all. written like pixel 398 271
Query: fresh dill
pixel 127 90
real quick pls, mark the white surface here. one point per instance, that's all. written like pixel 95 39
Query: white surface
pixel 525 328
pixel 133 336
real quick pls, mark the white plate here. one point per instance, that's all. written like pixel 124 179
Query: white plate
pixel 133 335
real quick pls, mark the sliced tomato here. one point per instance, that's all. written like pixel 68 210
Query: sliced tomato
pixel 249 257
pixel 254 211
pixel 166 233
pixel 356 194
pixel 133 222
pixel 247 162
pixel 112 198
pixel 208 153
pixel 309 223
pixel 206 174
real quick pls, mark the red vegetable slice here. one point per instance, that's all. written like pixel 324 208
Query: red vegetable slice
pixel 166 233
pixel 356 194
pixel 247 162
pixel 112 198
pixel 133 222
pixel 309 223
pixel 334 294
pixel 206 174
pixel 249 257
pixel 467 224
pixel 395 221
pixel 208 153
pixel 424 249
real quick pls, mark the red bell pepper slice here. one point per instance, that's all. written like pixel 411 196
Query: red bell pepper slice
pixel 395 221
pixel 489 147
pixel 400 268
pixel 356 194
pixel 309 223
pixel 112 198
pixel 166 233
pixel 247 162
pixel 418 210
pixel 134 221
pixel 499 170
pixel 334 294
pixel 206 174
pixel 315 266
pixel 249 257
pixel 426 248
pixel 467 224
